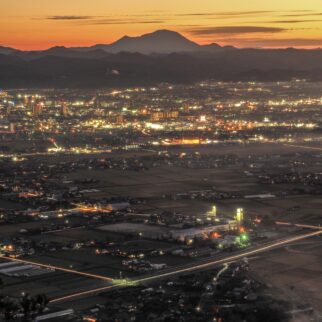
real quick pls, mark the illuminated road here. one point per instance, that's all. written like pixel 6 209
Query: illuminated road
pixel 282 223
pixel 57 268
pixel 63 152
pixel 208 264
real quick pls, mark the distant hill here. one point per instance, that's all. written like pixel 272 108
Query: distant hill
pixel 158 42
pixel 7 50
pixel 60 52
pixel 161 56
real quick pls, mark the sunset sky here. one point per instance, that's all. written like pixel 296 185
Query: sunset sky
pixel 39 24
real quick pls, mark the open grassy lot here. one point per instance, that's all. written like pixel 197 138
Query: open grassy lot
pixel 294 272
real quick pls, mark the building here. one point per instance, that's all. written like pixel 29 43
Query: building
pixel 184 234
pixel 158 116
pixel 117 206
pixel 8 108
pixel 64 109
pixel 37 109
pixel 12 128
pixel 119 119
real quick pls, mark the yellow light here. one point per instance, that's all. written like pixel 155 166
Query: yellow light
pixel 240 215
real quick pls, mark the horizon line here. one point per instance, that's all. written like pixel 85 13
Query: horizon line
pixel 44 48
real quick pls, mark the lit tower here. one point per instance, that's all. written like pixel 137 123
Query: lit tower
pixel 240 215
pixel 213 211
pixel 64 109
pixel 12 128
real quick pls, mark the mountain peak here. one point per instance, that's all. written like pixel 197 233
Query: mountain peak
pixel 165 32
pixel 57 49
pixel 160 41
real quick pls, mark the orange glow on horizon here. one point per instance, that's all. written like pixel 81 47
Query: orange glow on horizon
pixel 40 24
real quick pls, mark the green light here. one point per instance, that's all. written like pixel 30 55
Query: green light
pixel 244 237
